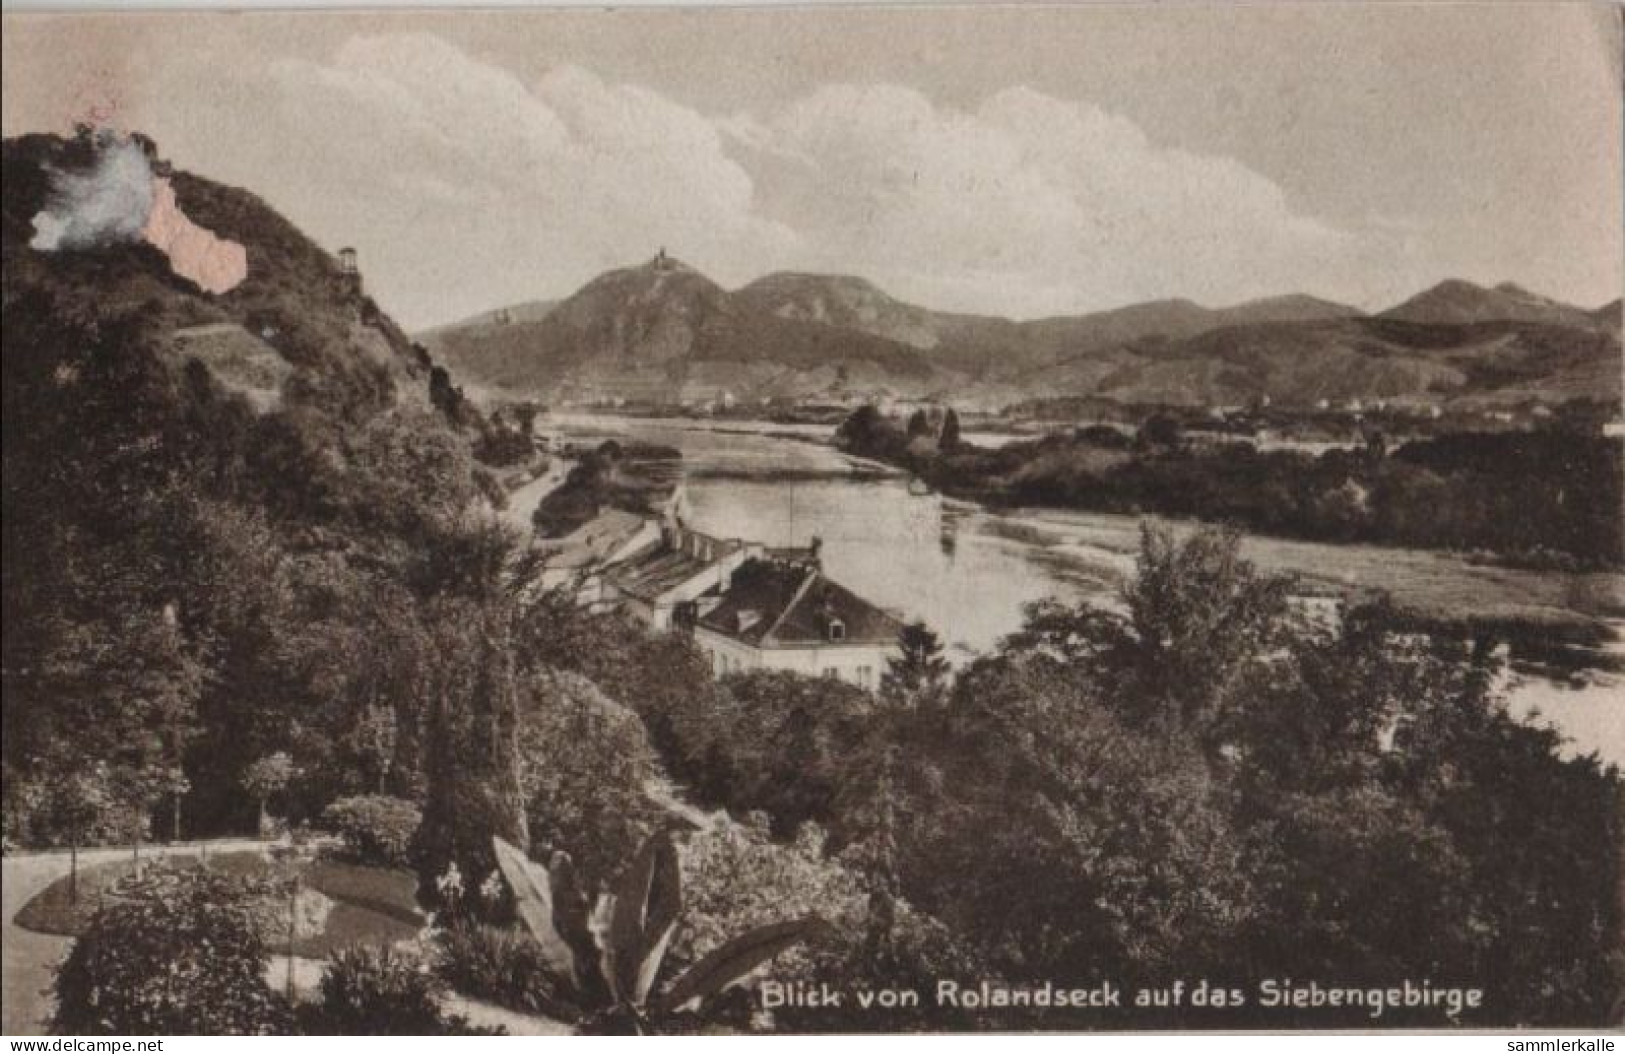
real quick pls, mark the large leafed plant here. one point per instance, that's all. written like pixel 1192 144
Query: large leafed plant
pixel 608 950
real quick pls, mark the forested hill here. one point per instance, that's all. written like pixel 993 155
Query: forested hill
pixel 229 519
pixel 664 333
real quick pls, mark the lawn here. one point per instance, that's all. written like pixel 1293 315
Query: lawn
pixel 370 905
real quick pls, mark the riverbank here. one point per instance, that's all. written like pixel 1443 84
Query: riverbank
pixel 1535 500
pixel 1570 621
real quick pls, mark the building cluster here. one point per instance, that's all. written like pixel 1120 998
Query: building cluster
pixel 747 606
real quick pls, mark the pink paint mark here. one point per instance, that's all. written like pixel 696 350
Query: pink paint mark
pixel 213 263
pixel 97 102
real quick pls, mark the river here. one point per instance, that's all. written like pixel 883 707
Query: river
pixel 967 570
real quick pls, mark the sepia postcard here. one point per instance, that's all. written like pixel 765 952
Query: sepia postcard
pixel 814 519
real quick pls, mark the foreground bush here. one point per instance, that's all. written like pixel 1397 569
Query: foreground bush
pixel 501 966
pixel 380 992
pixel 376 828
pixel 178 952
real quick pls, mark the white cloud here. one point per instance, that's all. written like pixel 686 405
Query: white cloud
pixel 466 187
pixel 1046 205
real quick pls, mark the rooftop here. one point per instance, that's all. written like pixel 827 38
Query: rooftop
pixel 655 569
pixel 772 604
pixel 594 541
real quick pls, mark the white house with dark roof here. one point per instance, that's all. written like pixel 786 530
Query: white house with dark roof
pixel 747 606
pixel 784 614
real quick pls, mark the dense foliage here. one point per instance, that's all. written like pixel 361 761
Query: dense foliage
pixel 1208 782
pixel 376 828
pixel 380 992
pixel 499 965
pixel 196 581
pixel 176 953
pixel 586 766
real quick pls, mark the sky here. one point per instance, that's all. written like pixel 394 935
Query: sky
pixel 1015 160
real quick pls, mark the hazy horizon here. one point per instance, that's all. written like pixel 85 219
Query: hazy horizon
pixel 1017 161
pixel 1215 306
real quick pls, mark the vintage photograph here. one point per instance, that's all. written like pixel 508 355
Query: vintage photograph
pixel 809 519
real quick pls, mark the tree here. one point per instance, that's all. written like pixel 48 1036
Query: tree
pixel 867 432
pixel 1200 616
pixel 472 773
pixel 139 790
pixel 948 441
pixel 585 765
pixel 778 722
pixel 268 776
pixel 447 397
pixel 524 415
pixel 1160 430
pixel 377 731
pixel 918 424
pixel 918 675
pixel 176 785
pixel 74 802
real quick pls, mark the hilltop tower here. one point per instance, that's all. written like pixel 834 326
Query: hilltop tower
pixel 350 268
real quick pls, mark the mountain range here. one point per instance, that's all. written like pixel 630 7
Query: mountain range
pixel 663 332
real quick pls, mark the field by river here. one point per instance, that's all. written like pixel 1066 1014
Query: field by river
pixel 968 571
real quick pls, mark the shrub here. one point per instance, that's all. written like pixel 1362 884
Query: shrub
pixel 376 828
pixel 502 966
pixel 381 992
pixel 179 952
